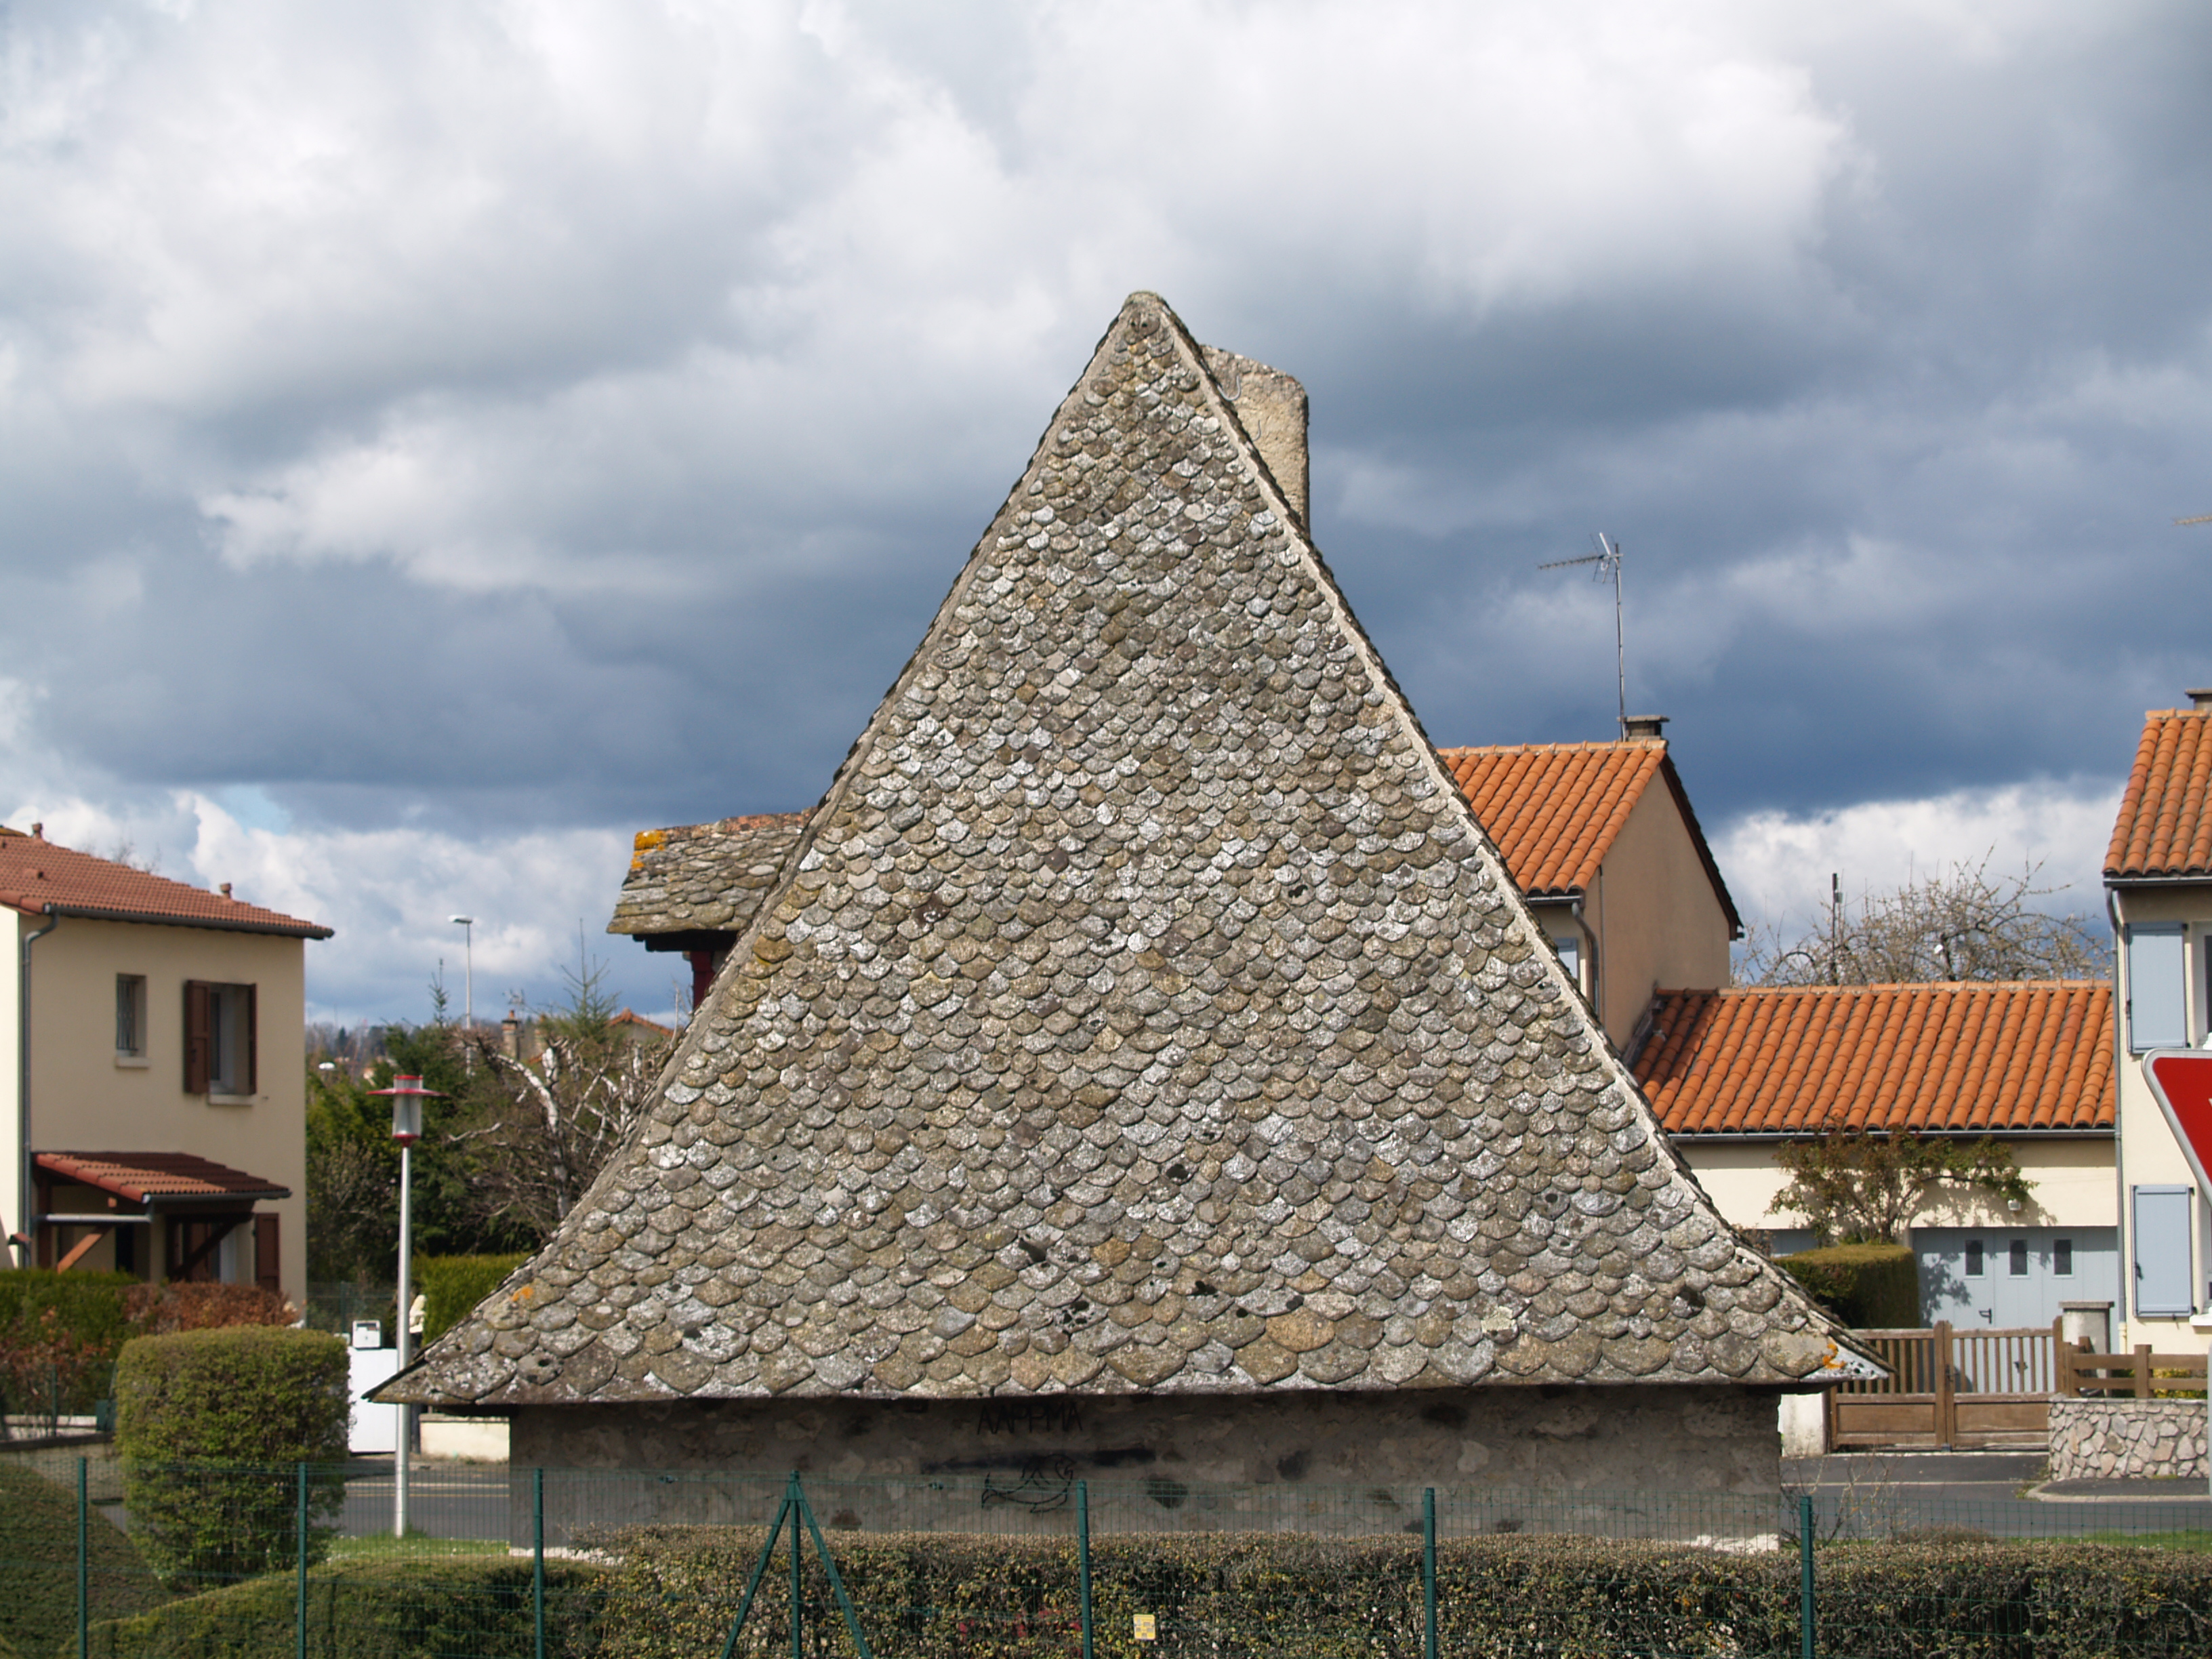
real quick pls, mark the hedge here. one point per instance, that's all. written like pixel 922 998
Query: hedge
pixel 60 1331
pixel 1868 1286
pixel 935 1597
pixel 38 1562
pixel 209 1425
pixel 385 1609
pixel 452 1286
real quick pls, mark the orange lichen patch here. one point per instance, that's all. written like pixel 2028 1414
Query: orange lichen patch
pixel 1996 1058
pixel 2164 823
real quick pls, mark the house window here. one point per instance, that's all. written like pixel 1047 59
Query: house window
pixel 2158 1004
pixel 130 1016
pixel 2017 1261
pixel 2062 1258
pixel 1570 947
pixel 219 1039
pixel 1974 1264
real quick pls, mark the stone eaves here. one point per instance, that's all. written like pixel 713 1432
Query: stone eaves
pixel 1142 1009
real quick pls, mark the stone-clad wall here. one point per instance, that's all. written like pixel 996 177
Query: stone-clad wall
pixel 937 1463
pixel 2125 1439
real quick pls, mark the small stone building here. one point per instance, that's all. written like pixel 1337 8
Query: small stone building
pixel 1141 1062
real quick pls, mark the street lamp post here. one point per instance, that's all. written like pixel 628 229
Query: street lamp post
pixel 407 1095
pixel 468 926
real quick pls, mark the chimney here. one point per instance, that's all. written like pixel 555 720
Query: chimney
pixel 224 890
pixel 37 832
pixel 2200 698
pixel 1633 726
pixel 510 1035
pixel 1270 407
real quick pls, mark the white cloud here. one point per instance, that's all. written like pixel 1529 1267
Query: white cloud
pixel 1778 864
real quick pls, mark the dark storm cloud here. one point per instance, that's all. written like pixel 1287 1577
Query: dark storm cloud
pixel 442 440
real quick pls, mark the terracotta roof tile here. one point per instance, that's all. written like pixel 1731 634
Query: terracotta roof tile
pixel 141 1175
pixel 1143 1010
pixel 1556 809
pixel 35 873
pixel 1997 1058
pixel 2165 823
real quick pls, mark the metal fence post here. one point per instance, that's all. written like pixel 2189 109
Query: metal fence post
pixel 83 1569
pixel 1805 1576
pixel 1429 1568
pixel 797 1592
pixel 1083 1557
pixel 300 1549
pixel 538 1556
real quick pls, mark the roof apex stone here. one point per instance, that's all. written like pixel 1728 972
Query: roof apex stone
pixel 1142 1010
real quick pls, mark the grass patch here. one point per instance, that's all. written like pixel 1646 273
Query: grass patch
pixel 38 1565
pixel 383 1546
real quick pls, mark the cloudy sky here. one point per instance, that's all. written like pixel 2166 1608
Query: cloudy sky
pixel 438 439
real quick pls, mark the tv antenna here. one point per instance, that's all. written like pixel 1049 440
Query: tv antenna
pixel 1607 560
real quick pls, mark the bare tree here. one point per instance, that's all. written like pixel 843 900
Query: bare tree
pixel 559 1116
pixel 1963 925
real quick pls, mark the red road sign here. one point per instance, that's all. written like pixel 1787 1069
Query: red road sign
pixel 2181 1078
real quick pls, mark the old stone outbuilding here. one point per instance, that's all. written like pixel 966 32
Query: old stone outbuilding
pixel 1141 1060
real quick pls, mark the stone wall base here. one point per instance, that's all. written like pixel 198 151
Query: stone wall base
pixel 2126 1439
pixel 1328 1462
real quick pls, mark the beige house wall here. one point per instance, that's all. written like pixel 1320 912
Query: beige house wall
pixel 85 1097
pixel 1652 918
pixel 2149 1156
pixel 2073 1181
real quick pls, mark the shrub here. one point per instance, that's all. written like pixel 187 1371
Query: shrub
pixel 1868 1286
pixel 60 1332
pixel 209 1425
pixel 392 1609
pixel 37 1543
pixel 452 1286
pixel 675 1592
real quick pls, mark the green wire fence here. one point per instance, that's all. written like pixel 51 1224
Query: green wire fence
pixel 301 1561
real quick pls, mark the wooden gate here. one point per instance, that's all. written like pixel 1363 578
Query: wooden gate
pixel 1950 1388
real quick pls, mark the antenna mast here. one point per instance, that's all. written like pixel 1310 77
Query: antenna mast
pixel 1607 560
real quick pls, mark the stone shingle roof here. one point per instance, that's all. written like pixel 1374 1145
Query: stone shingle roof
pixel 1143 1010
pixel 2164 823
pixel 704 877
pixel 1553 809
pixel 2034 1057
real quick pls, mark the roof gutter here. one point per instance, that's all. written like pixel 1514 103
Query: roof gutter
pixel 26 1240
pixel 217 923
pixel 1747 1137
pixel 2201 879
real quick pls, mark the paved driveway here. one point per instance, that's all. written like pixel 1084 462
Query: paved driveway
pixel 1995 1494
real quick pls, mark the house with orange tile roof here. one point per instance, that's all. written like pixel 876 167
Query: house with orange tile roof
pixel 152 1073
pixel 2158 891
pixel 1603 843
pixel 1734 1073
pixel 1600 837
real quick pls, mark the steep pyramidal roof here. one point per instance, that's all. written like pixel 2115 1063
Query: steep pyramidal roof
pixel 1141 1009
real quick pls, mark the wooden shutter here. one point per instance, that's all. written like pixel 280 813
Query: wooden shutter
pixel 265 1253
pixel 253 1040
pixel 198 1035
pixel 2165 1286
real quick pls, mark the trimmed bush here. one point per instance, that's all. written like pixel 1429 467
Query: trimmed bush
pixel 1870 1287
pixel 452 1286
pixel 393 1609
pixel 37 1557
pixel 209 1425
pixel 924 1595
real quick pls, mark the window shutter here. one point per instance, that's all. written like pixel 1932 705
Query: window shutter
pixel 252 1043
pixel 265 1253
pixel 2158 1002
pixel 197 1035
pixel 2163 1280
